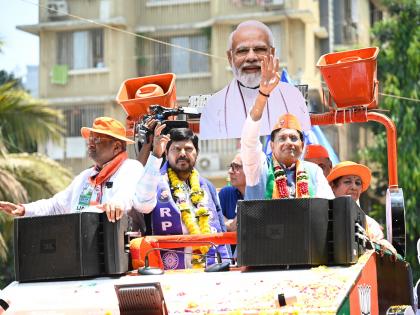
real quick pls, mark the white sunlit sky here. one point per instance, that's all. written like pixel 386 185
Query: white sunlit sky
pixel 19 48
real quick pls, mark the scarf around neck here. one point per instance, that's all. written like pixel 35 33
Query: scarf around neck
pixel 109 169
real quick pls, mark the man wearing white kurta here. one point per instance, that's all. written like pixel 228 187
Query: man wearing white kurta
pixel 109 183
pixel 283 175
pixel 226 111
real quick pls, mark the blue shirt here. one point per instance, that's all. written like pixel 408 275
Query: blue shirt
pixel 229 197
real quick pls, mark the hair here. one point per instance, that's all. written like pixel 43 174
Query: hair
pixel 274 132
pixel 182 134
pixel 334 183
pixel 252 23
pixel 123 145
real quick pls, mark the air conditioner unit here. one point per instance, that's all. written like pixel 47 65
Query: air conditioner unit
pixel 274 3
pixel 57 8
pixel 208 162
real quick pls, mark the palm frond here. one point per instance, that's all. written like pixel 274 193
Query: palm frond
pixel 24 120
pixel 40 176
pixel 6 224
pixel 10 188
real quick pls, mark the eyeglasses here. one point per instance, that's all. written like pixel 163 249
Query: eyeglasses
pixel 235 167
pixel 98 140
pixel 242 52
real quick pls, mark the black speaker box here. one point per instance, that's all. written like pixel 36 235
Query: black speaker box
pixel 69 246
pixel 346 213
pixel 309 231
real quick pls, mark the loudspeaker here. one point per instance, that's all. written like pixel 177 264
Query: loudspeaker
pixel 69 246
pixel 282 232
pixel 306 231
pixel 347 247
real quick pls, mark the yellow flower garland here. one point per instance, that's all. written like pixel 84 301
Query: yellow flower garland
pixel 202 213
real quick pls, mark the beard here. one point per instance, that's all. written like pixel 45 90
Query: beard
pixel 250 80
pixel 184 168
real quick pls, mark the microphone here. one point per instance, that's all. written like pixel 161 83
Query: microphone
pixel 109 184
pixel 361 235
pixel 217 267
pixel 147 270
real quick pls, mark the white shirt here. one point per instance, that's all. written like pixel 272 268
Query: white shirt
pixel 254 161
pixel 225 113
pixel 124 182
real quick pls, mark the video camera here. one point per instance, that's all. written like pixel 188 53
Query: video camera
pixel 160 113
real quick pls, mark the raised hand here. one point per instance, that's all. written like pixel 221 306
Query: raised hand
pixel 150 125
pixel 12 209
pixel 159 141
pixel 269 80
pixel 269 74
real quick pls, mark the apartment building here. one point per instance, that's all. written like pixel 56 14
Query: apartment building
pixel 89 47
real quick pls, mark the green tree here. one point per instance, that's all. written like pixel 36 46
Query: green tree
pixel 6 77
pixel 24 122
pixel 398 38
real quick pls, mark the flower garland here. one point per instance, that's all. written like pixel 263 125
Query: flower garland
pixel 280 189
pixel 202 215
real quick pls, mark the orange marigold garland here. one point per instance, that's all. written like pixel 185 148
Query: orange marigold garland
pixel 302 184
pixel 198 224
pixel 281 190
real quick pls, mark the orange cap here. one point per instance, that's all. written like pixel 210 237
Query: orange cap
pixel 351 168
pixel 287 121
pixel 107 126
pixel 314 151
pixel 149 90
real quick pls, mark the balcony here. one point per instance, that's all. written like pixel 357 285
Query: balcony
pixel 267 10
pixel 171 15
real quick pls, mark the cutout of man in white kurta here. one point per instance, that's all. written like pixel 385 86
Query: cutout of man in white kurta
pixel 226 111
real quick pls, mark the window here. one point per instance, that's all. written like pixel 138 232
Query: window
pixel 180 61
pixel 81 116
pixel 376 14
pixel 81 49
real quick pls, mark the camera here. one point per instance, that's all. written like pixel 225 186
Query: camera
pixel 161 114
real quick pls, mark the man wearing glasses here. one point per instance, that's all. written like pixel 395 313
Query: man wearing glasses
pixel 109 185
pixel 226 111
pixel 230 195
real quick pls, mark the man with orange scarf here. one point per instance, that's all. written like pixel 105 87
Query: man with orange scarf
pixel 109 185
pixel 283 175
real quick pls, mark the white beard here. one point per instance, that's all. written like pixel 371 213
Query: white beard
pixel 251 80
